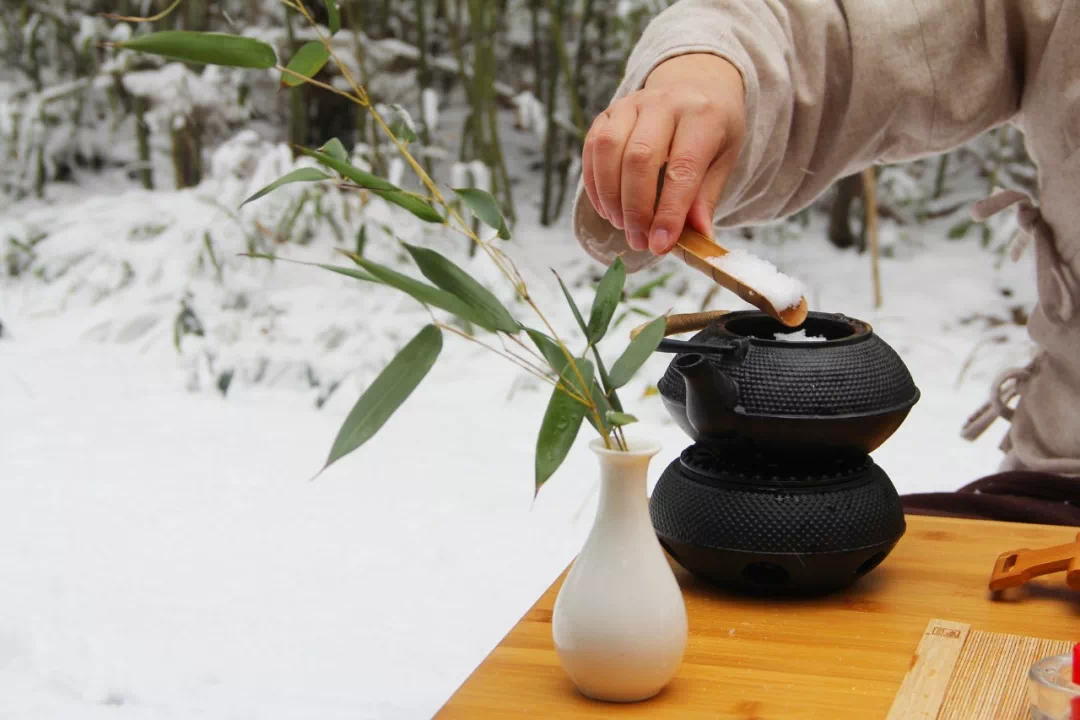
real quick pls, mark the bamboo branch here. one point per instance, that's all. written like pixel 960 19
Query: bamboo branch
pixel 361 98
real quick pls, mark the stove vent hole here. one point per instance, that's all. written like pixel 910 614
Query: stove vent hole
pixel 870 563
pixel 764 573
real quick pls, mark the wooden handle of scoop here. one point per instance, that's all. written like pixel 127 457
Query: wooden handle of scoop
pixel 695 249
pixel 1019 566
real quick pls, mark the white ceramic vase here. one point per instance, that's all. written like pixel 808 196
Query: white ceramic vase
pixel 619 623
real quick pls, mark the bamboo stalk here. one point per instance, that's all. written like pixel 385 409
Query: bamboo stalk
pixel 538 49
pixel 579 59
pixel 142 136
pixel 551 131
pixel 870 200
pixel 564 62
pixel 496 159
pixel 500 165
pixel 297 106
pixel 423 75
pixel 939 179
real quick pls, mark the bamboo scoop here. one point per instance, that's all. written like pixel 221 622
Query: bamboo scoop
pixel 1019 566
pixel 695 250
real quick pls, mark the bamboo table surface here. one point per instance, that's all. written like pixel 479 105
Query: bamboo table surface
pixel 838 657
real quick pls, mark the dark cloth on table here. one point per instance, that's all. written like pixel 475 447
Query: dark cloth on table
pixel 1016 496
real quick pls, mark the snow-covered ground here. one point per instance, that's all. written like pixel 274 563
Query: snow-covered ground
pixel 165 554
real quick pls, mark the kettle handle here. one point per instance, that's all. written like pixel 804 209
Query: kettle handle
pixel 736 347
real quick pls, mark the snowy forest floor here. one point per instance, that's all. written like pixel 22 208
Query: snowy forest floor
pixel 167 556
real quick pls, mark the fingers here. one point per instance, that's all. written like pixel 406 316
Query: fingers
pixel 607 141
pixel 697 143
pixel 587 163
pixel 646 151
pixel 702 210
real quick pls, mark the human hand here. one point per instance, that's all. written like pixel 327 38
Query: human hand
pixel 690 116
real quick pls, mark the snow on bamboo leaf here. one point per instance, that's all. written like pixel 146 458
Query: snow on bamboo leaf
pixel 559 429
pixel 301 175
pixel 205 48
pixel 402 126
pixel 347 272
pixel 608 296
pixel 333 15
pixel 424 293
pixel 485 207
pixel 448 276
pixel 637 352
pixel 307 61
pixel 386 394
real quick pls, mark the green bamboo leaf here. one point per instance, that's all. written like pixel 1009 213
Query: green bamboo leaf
pixel 485 207
pixel 424 293
pixel 307 61
pixel 637 352
pixel 448 276
pixel 558 361
pixel 573 306
pixel 386 394
pixel 549 349
pixel 358 176
pixel 643 292
pixel 596 394
pixel 335 149
pixel 620 419
pixel 559 429
pixel 347 272
pixel 334 15
pixel 301 175
pixel 608 295
pixel 205 48
pixel 418 207
pixel 605 382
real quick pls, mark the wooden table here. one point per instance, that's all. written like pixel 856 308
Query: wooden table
pixel 841 657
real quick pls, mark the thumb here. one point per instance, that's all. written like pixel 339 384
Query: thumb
pixel 703 210
pixel 700 217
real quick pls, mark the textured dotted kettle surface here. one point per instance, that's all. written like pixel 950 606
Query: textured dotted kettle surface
pixel 808 380
pixel 862 511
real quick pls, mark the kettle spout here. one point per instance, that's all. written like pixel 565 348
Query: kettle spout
pixel 709 392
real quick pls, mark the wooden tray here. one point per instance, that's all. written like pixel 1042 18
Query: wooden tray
pixel 962 674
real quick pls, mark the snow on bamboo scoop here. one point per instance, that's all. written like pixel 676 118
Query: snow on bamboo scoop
pixel 754 280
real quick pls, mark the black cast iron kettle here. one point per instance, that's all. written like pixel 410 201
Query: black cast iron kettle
pixel 778 494
pixel 839 386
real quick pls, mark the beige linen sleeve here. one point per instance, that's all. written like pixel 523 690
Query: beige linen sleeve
pixel 833 87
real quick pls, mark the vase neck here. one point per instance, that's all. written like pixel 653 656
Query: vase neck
pixel 623 481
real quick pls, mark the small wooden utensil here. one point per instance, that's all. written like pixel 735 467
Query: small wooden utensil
pixel 695 250
pixel 1015 568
